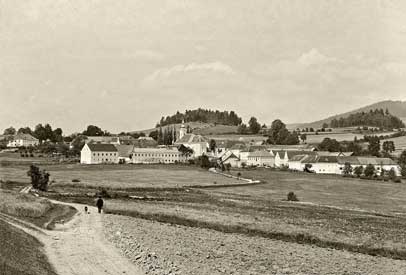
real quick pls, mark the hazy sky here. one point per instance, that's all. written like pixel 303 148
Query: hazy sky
pixel 122 64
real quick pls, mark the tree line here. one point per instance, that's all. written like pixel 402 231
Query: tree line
pixel 374 118
pixel 202 115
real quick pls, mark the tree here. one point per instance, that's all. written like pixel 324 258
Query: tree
pixel 242 129
pixel 274 133
pixel 39 179
pixel 93 130
pixel 374 146
pixel 212 145
pixel 25 130
pixel 40 133
pixel 57 135
pixel 388 146
pixel 347 169
pixel 330 145
pixel 254 125
pixel 186 151
pixel 325 125
pixel 10 131
pixel 303 137
pixel 403 171
pixel 392 174
pixel 77 144
pixel 358 171
pixel 154 134
pixel 402 158
pixel 369 170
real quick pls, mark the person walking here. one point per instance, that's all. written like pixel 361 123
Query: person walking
pixel 99 204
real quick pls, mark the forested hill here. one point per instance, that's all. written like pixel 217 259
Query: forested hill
pixel 396 108
pixel 374 118
pixel 202 115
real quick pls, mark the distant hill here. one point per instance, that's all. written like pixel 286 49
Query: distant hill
pixel 200 128
pixel 396 108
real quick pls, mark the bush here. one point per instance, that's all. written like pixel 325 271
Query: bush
pixel 397 180
pixel 103 193
pixel 76 180
pixel 292 197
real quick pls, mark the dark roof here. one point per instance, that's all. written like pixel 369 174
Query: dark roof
pixel 102 147
pixel 321 159
pixel 191 138
pixel 366 161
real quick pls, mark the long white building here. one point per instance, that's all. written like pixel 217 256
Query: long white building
pixel 98 153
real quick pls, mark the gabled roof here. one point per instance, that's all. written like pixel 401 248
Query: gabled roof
pixel 262 154
pixel 320 159
pixel 292 153
pixel 231 156
pixel 124 150
pixel 25 137
pixel 299 158
pixel 101 147
pixel 366 161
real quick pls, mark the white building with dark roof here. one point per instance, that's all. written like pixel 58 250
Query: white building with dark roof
pixel 166 155
pixel 98 153
pixel 197 143
pixel 22 140
pixel 261 158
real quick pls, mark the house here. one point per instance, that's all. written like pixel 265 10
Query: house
pixel 297 162
pixel 261 158
pixel 379 164
pixel 97 153
pixel 157 155
pixel 232 159
pixel 322 164
pixel 126 140
pixel 283 157
pixel 22 140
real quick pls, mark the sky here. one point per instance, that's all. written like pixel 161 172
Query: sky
pixel 123 64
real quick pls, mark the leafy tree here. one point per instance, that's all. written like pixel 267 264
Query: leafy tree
pixel 292 197
pixel 10 131
pixel 358 171
pixel 254 125
pixel 347 169
pixel 402 158
pixel 186 151
pixel 212 145
pixel 242 129
pixel 40 132
pixel 203 161
pixel 93 130
pixel 392 174
pixel 25 130
pixel 369 170
pixel 403 171
pixel 154 134
pixel 325 125
pixel 374 146
pixel 303 137
pixel 77 144
pixel 388 146
pixel 39 179
pixel 331 145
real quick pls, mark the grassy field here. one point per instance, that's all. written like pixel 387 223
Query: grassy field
pixel 400 143
pixel 121 176
pixel 21 253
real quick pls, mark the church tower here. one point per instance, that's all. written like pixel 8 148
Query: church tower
pixel 182 130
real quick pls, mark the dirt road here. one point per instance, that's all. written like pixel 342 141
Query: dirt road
pixel 78 247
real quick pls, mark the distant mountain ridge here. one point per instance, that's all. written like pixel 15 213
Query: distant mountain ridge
pixel 396 108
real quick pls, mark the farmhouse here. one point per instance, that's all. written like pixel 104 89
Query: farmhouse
pixel 261 158
pixel 97 153
pixel 157 155
pixel 124 153
pixel 378 163
pixel 322 164
pixel 283 157
pixel 22 140
pixel 232 159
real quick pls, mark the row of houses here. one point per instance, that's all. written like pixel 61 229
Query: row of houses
pixel 314 161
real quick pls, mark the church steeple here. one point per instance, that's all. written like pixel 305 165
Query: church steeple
pixel 182 130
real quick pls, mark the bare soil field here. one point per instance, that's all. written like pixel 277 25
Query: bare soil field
pixel 173 249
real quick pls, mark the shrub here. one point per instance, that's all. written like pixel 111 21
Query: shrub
pixel 369 170
pixel 397 180
pixel 292 197
pixel 76 180
pixel 39 179
pixel 103 192
pixel 238 174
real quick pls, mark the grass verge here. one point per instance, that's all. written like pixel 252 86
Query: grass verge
pixel 21 253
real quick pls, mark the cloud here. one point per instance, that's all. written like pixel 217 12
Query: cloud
pixel 214 67
pixel 314 57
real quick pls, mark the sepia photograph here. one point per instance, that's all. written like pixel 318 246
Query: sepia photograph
pixel 202 137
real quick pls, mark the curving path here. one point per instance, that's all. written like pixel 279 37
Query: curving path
pixel 78 247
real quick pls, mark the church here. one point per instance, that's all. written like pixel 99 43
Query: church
pixel 197 143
